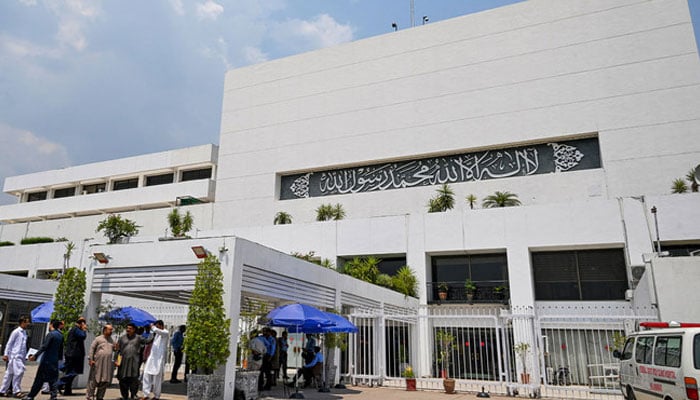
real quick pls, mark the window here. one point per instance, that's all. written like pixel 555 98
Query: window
pixel 66 192
pixel 36 196
pixel 643 350
pixel 191 175
pixel 96 188
pixel 490 269
pixel 680 250
pixel 390 265
pixel 696 351
pixel 627 351
pixel 667 351
pixel 580 275
pixel 125 184
pixel 159 179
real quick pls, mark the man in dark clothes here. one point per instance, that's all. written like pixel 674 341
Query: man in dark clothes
pixel 52 350
pixel 129 349
pixel 75 356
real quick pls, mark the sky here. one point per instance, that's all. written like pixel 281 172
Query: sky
pixel 84 81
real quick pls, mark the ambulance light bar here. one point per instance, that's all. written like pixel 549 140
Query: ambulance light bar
pixel 672 324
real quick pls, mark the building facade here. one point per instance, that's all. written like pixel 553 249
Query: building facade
pixel 585 110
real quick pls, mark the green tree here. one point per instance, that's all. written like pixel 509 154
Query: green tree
pixel 328 212
pixel 282 218
pixel 180 224
pixel 363 268
pixel 69 299
pixel 471 200
pixel 501 199
pixel 444 199
pixel 679 186
pixel 115 227
pixel 70 246
pixel 690 176
pixel 207 340
pixel 405 282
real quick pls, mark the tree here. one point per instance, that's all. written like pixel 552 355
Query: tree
pixel 501 199
pixel 207 340
pixel 327 212
pixel 70 246
pixel 471 199
pixel 363 268
pixel 405 282
pixel 69 299
pixel 444 199
pixel 679 186
pixel 180 225
pixel 690 176
pixel 282 218
pixel 115 227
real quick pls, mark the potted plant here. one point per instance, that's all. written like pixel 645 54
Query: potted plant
pixel 180 224
pixel 207 340
pixel 443 288
pixel 118 229
pixel 500 293
pixel 445 342
pixel 521 349
pixel 410 378
pixel 470 289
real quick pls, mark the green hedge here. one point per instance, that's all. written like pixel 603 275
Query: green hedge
pixel 38 239
pixel 6 243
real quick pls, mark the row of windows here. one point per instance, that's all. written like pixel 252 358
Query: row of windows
pixel 557 275
pixel 664 351
pixel 130 183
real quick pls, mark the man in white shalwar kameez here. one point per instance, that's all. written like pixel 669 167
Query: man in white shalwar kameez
pixel 153 371
pixel 14 356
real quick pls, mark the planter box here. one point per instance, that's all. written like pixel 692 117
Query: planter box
pixel 247 382
pixel 206 387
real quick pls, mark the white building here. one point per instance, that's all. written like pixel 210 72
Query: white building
pixel 587 110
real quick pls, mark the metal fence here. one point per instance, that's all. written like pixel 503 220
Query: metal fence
pixel 567 353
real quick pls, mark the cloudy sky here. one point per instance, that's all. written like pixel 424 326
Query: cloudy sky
pixel 91 80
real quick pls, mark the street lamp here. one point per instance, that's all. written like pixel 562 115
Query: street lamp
pixel 656 225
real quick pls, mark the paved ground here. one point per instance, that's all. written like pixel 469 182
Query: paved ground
pixel 179 392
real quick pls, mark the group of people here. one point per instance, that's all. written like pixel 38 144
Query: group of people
pixel 269 355
pixel 127 354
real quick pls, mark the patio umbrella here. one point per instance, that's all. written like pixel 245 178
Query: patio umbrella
pixel 298 315
pixel 340 325
pixel 135 315
pixel 42 313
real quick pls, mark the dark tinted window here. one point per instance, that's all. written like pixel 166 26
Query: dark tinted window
pixel 627 351
pixel 644 350
pixel 159 179
pixel 390 265
pixel 681 250
pixel 204 173
pixel 97 188
pixel 36 196
pixel 580 275
pixel 125 184
pixel 66 192
pixel 481 268
pixel 696 351
pixel 667 351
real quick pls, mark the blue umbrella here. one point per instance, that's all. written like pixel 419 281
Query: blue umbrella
pixel 42 313
pixel 130 314
pixel 340 325
pixel 293 315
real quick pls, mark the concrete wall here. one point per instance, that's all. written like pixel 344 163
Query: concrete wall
pixel 627 70
pixel 676 287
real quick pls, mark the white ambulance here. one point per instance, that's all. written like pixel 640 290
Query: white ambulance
pixel 661 363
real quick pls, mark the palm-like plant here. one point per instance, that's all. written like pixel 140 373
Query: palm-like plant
pixel 690 176
pixel 501 199
pixel 444 199
pixel 180 224
pixel 282 218
pixel 327 212
pixel 679 186
pixel 363 268
pixel 471 200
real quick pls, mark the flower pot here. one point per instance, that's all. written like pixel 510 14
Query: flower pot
pixel 470 297
pixel 411 384
pixel 525 378
pixel 442 295
pixel 209 387
pixel 449 385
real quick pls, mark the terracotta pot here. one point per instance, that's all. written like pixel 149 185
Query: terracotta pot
pixel 442 295
pixel 411 384
pixel 449 385
pixel 525 378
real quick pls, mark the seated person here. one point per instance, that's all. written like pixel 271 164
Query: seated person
pixel 308 368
